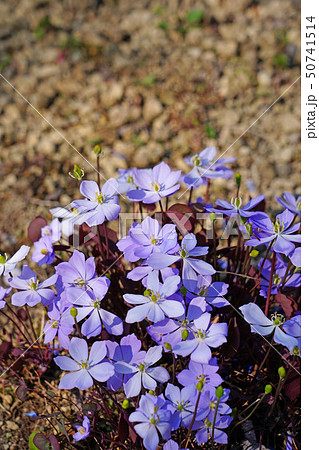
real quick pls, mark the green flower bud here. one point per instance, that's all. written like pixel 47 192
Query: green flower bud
pixel 151 392
pixel 77 173
pixel 185 334
pixel 125 404
pixel 282 372
pixel 108 275
pixel 97 150
pixel 219 392
pixel 2 259
pixel 254 253
pixel 168 346
pixel 238 179
pixel 212 216
pixel 183 290
pixel 73 312
pixel 199 386
pixel 268 389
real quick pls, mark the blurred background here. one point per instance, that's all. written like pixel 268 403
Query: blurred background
pixel 149 81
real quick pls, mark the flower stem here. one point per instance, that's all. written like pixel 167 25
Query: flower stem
pixel 270 282
pixel 215 416
pixel 193 420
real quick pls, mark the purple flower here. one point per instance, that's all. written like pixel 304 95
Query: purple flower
pixel 90 305
pixel 185 253
pixel 290 202
pixel 206 373
pixel 259 323
pixel 181 402
pixel 206 431
pixel 125 351
pixel 293 328
pixel 295 257
pixel 204 335
pixel 84 367
pixel 43 251
pixel 31 291
pixel 53 230
pixel 279 233
pixel 82 430
pixel 100 204
pixel 70 217
pixel 153 420
pixel 142 372
pixel 60 322
pixel 154 183
pixel 208 401
pixel 147 238
pixel 171 331
pixel 212 292
pixel 80 273
pixel 3 293
pixel 156 303
pixel 126 181
pixel 278 277
pixel 235 207
pixel 205 168
pixel 7 265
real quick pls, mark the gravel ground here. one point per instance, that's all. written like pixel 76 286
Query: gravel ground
pixel 151 81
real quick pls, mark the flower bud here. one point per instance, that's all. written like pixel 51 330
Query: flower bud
pixel 212 216
pixel 168 346
pixel 281 372
pixel 183 290
pixel 254 253
pixel 125 404
pixel 185 334
pixel 151 392
pixel 268 389
pixel 219 392
pixel 2 259
pixel 199 386
pixel 97 150
pixel 238 179
pixel 77 173
pixel 73 312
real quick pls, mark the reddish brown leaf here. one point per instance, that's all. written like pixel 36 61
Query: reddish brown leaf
pixel 34 229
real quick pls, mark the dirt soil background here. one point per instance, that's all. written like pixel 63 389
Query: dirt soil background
pixel 150 81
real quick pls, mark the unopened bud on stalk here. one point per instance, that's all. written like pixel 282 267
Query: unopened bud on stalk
pixel 238 180
pixel 281 372
pixel 151 392
pixel 73 312
pixel 212 216
pixel 168 346
pixel 97 150
pixel 199 386
pixel 125 404
pixel 268 389
pixel 77 173
pixel 219 392
pixel 254 253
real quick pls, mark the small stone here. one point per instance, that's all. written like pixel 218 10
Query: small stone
pixel 152 108
pixel 12 425
pixel 113 94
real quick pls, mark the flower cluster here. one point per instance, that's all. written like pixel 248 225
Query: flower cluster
pixel 153 323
